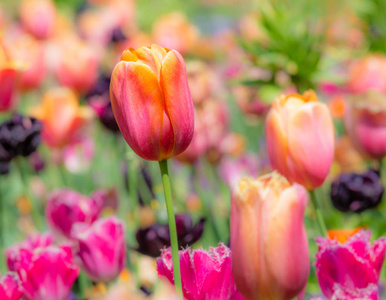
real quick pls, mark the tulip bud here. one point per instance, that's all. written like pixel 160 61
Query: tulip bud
pixel 268 238
pixel 300 139
pixel 102 249
pixel 10 287
pixel 151 102
pixel 65 208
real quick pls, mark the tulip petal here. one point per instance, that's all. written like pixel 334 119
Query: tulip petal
pixel 139 110
pixel 178 101
pixel 311 141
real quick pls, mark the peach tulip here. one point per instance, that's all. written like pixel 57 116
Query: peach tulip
pixel 62 117
pixel 268 238
pixel 38 17
pixel 300 138
pixel 365 122
pixel 151 102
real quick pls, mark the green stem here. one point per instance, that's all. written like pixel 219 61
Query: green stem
pixel 319 215
pixel 35 209
pixel 163 164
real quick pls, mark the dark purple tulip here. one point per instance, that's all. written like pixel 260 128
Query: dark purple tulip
pixel 357 192
pixel 151 240
pixel 18 136
pixel 117 35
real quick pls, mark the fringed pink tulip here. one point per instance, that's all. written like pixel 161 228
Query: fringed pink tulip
pixel 38 17
pixel 300 139
pixel 350 270
pixel 102 249
pixel 66 207
pixel 151 102
pixel 268 238
pixel 365 122
pixel 47 273
pixel 10 288
pixel 39 240
pixel 206 275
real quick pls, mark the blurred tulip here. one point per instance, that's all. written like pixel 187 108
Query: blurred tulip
pixel 78 155
pixel 66 207
pixel 47 273
pixel 77 65
pixel 151 102
pixel 102 249
pixel 365 122
pixel 342 235
pixel 39 240
pixel 357 192
pixel 10 287
pixel 174 31
pixel 151 240
pixel 268 238
pixel 300 139
pixel 350 270
pixel 347 157
pixel 38 17
pixel 232 170
pixel 206 275
pixel 62 117
pixel 19 136
pixel 368 74
pixel 10 72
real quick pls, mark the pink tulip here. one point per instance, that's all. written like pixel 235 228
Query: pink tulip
pixel 268 238
pixel 66 207
pixel 300 139
pixel 350 270
pixel 38 17
pixel 206 275
pixel 47 273
pixel 39 240
pixel 151 102
pixel 102 249
pixel 10 287
pixel 365 122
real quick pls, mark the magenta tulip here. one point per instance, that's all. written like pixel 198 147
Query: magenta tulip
pixel 10 288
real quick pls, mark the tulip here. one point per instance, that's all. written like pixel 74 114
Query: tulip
pixel 38 17
pixel 77 66
pixel 40 240
pixel 300 139
pixel 66 207
pixel 10 287
pixel 268 238
pixel 102 249
pixel 78 155
pixel 61 116
pixel 365 122
pixel 9 80
pixel 206 275
pixel 151 102
pixel 47 273
pixel 350 270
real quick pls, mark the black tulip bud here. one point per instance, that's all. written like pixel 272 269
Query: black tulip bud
pixel 151 240
pixel 357 192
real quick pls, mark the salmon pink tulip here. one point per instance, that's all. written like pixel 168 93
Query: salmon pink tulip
pixel 365 122
pixel 350 270
pixel 151 102
pixel 61 116
pixel 38 17
pixel 268 238
pixel 300 139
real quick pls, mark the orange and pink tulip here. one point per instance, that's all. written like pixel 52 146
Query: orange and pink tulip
pixel 151 102
pixel 300 138
pixel 268 238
